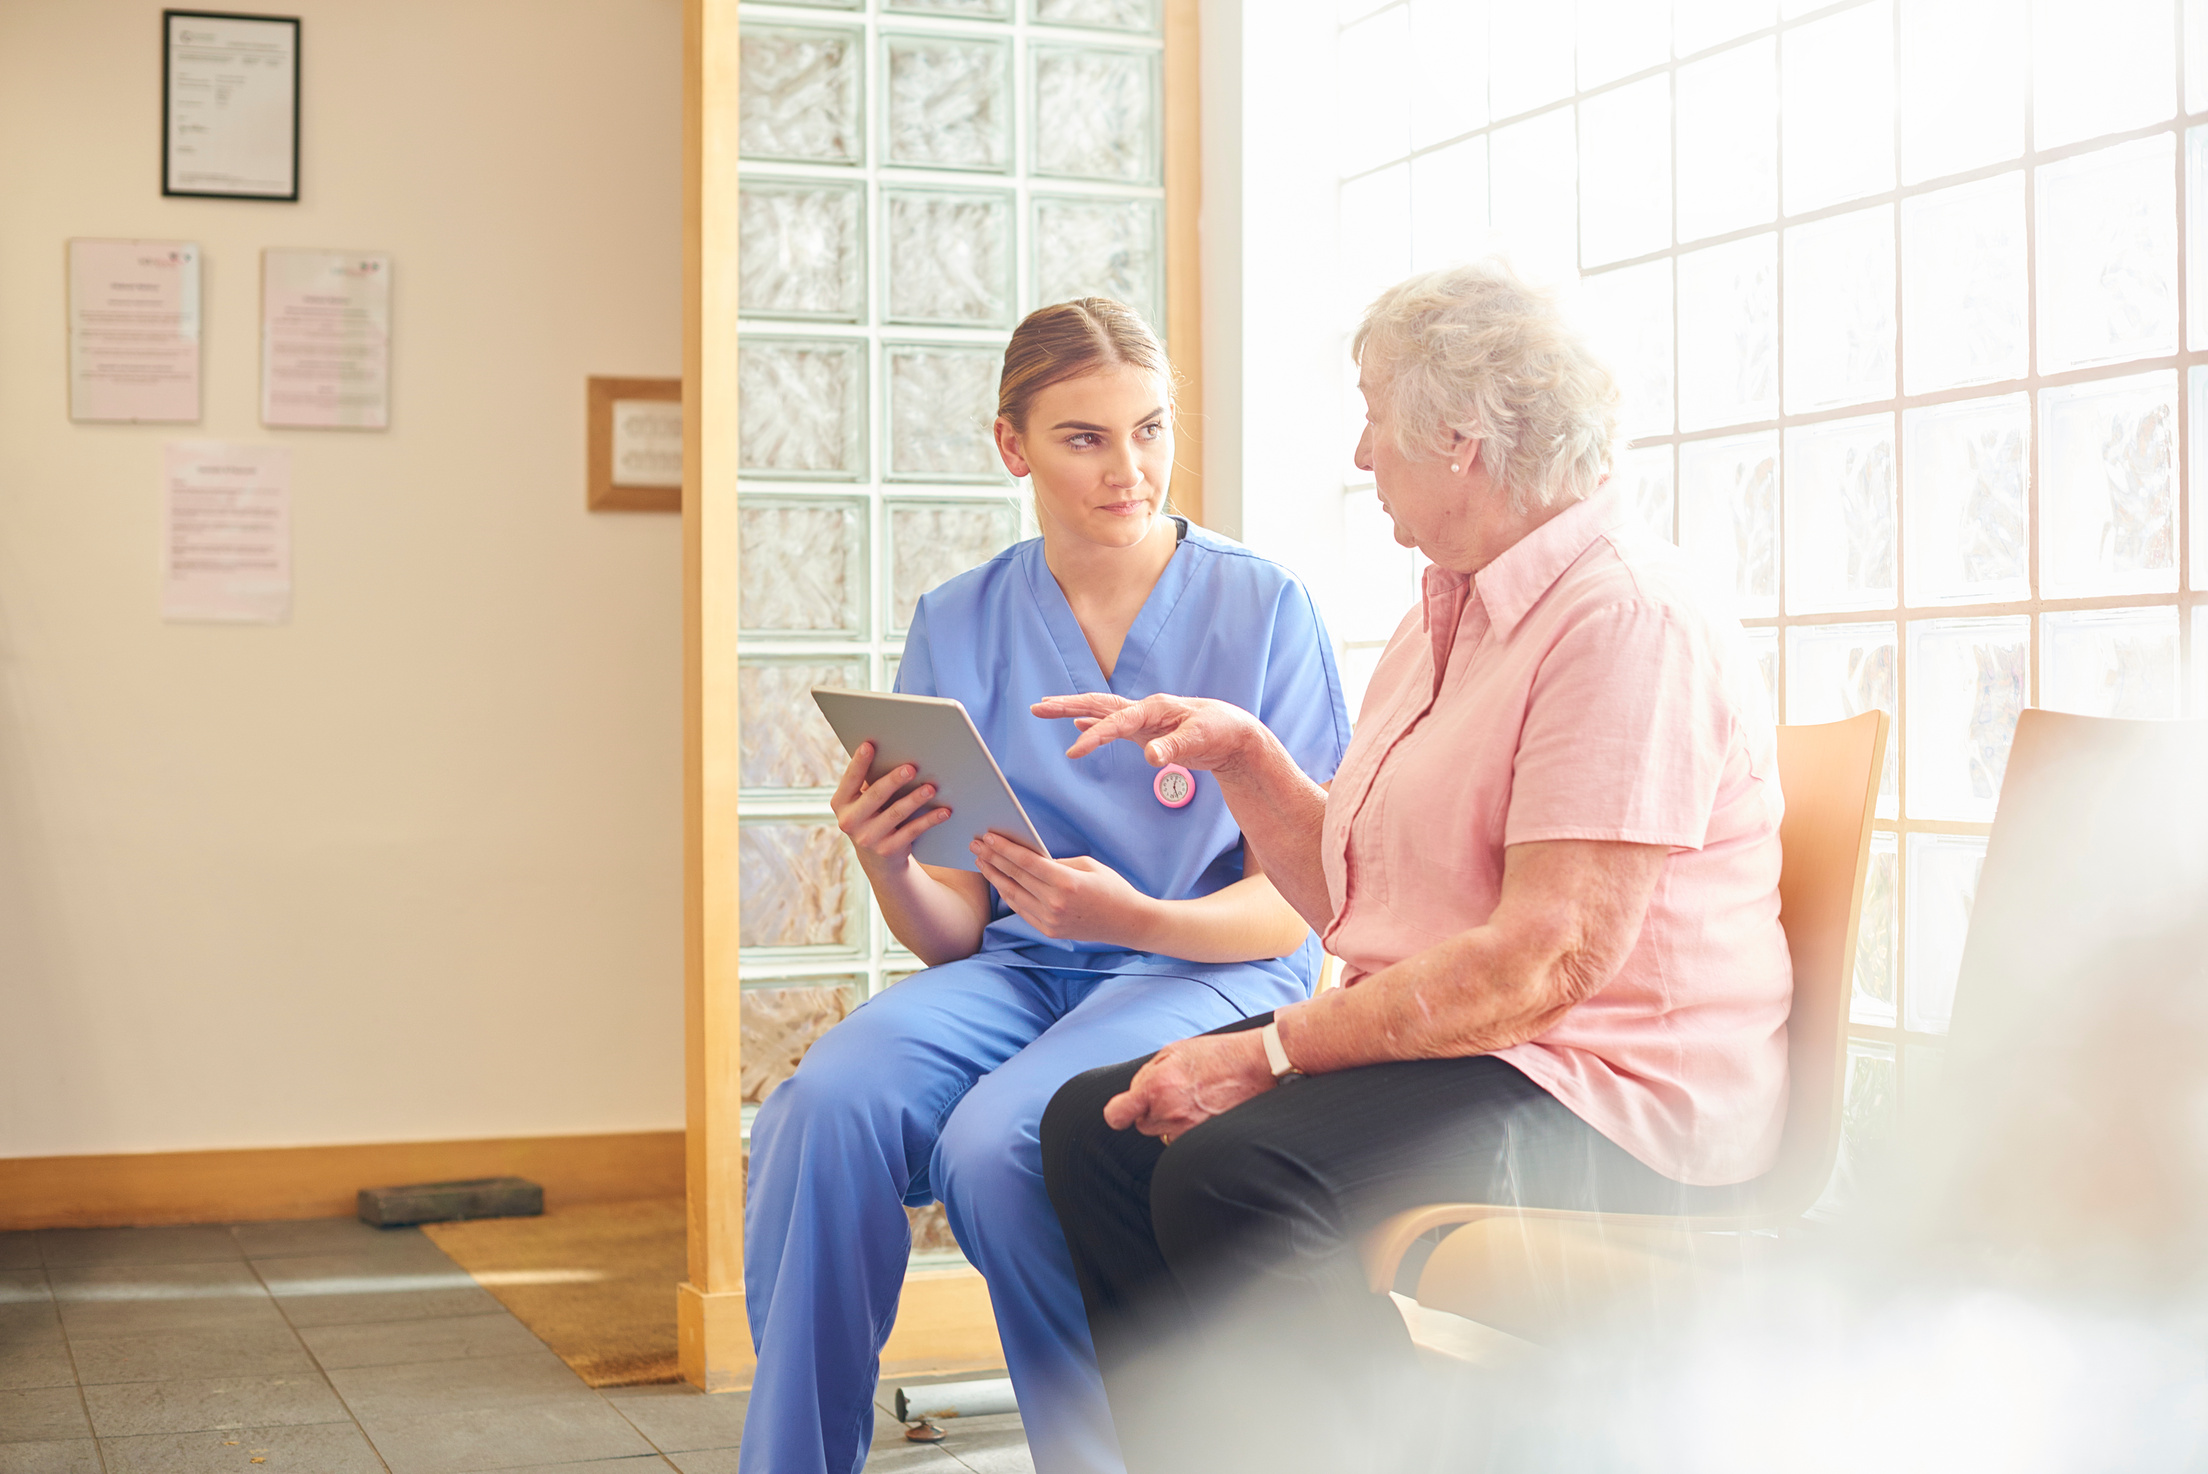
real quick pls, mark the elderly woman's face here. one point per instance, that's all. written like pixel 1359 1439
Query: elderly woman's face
pixel 1428 502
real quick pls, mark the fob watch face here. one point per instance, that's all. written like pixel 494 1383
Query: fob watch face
pixel 1175 786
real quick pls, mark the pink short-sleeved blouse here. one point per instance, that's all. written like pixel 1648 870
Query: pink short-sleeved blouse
pixel 1578 688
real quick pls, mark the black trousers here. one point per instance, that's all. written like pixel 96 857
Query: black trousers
pixel 1220 1274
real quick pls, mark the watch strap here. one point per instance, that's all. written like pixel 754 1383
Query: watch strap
pixel 1276 1053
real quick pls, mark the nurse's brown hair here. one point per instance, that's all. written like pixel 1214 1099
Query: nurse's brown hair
pixel 1070 339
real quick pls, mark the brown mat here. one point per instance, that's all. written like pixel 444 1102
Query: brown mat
pixel 595 1282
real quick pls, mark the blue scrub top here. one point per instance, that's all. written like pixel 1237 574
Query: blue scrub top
pixel 1221 622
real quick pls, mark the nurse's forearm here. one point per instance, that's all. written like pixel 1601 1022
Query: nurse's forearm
pixel 1247 921
pixel 1280 811
pixel 939 915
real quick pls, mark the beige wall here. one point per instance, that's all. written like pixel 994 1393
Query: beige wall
pixel 409 866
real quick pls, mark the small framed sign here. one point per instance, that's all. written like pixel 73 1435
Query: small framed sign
pixel 635 445
pixel 229 105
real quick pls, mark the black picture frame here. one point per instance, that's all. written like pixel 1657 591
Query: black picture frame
pixel 168 71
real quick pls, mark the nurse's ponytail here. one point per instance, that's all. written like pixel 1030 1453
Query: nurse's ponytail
pixel 1070 339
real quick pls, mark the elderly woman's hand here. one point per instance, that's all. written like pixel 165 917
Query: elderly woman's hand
pixel 1186 1084
pixel 1193 731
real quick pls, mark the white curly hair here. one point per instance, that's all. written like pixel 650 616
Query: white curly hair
pixel 1476 350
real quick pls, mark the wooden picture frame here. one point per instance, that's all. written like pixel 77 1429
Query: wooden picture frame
pixel 605 493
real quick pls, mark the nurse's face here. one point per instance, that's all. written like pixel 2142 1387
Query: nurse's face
pixel 1100 451
pixel 1434 500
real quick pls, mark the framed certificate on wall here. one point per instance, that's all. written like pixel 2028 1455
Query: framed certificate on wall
pixel 229 105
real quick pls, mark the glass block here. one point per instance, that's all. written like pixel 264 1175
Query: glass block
pixel 2196 388
pixel 1376 236
pixel 978 9
pixel 1728 141
pixel 2196 223
pixel 1967 681
pixel 1840 311
pixel 932 1239
pixel 798 95
pixel 801 249
pixel 779 1021
pixel 1620 37
pixel 1728 334
pixel 1645 484
pixel 784 741
pixel 1837 91
pixel 1379 576
pixel 1531 198
pixel 2196 56
pixel 947 102
pixel 2108 487
pixel 942 411
pixel 831 4
pixel 1836 671
pixel 1095 114
pixel 2200 661
pixel 1448 59
pixel 1924 1070
pixel 1870 1112
pixel 2108 256
pixel 1449 204
pixel 1357 663
pixel 1697 25
pixel 2100 66
pixel 1729 517
pixel 947 256
pixel 1763 644
pixel 1872 997
pixel 1628 319
pixel 801 565
pixel 1374 123
pixel 890 663
pixel 1537 41
pixel 1102 15
pixel 1096 246
pixel 1963 78
pixel 1625 172
pixel 801 407
pixel 2111 663
pixel 1840 538
pixel 1963 285
pixel 1962 465
pixel 932 541
pixel 1943 883
pixel 798 885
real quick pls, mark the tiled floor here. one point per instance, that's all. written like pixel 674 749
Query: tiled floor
pixel 327 1347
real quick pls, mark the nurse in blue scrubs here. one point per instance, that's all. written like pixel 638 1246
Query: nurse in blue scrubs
pixel 1154 925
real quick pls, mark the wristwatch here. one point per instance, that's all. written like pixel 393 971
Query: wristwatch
pixel 1276 1054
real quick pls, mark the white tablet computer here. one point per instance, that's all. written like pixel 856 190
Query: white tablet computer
pixel 935 735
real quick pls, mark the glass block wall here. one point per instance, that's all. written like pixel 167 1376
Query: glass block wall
pixel 916 175
pixel 1906 297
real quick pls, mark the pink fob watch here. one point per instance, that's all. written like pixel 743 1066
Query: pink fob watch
pixel 1174 786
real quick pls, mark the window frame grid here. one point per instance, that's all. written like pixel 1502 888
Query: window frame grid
pixel 1902 1042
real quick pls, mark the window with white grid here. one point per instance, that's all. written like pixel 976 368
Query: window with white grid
pixel 1904 297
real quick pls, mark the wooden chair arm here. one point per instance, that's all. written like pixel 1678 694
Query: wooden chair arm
pixel 1384 1245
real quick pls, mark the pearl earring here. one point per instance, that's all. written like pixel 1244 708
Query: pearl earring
pixel 1454 466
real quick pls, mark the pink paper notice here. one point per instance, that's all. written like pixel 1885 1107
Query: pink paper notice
pixel 226 532
pixel 133 330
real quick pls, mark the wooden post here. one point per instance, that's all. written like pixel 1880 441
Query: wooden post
pixel 715 1339
pixel 1184 288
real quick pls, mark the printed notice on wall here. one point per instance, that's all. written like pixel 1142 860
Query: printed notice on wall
pixel 226 532
pixel 325 340
pixel 134 330
pixel 232 97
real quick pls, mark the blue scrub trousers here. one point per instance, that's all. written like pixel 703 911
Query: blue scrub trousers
pixel 935 1089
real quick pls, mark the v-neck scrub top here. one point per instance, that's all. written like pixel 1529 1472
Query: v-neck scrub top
pixel 1221 622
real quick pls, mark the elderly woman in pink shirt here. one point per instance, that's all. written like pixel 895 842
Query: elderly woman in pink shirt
pixel 1549 864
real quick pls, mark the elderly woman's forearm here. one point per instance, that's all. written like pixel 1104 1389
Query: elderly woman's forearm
pixel 1465 996
pixel 1280 811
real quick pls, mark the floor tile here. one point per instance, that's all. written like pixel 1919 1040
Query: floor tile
pixel 678 1416
pixel 314 1448
pixel 137 1300
pixel 290 1236
pixel 991 1445
pixel 121 1409
pixel 37 1413
pixel 723 1461
pixel 339 1289
pixel 192 1243
pixel 19 1250
pixel 241 1351
pixel 426 1388
pixel 28 1322
pixel 571 1429
pixel 23 1286
pixel 35 1362
pixel 639 1464
pixel 441 1338
pixel 68 1456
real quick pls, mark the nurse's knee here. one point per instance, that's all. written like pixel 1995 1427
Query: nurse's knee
pixel 985 1156
pixel 841 1076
